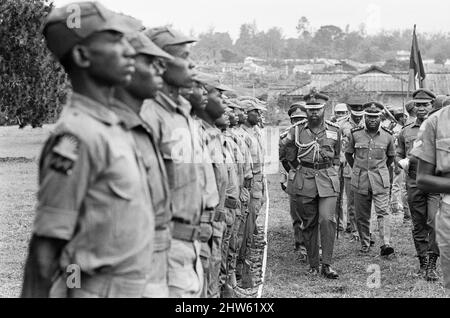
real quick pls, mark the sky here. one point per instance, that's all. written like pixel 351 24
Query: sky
pixel 228 15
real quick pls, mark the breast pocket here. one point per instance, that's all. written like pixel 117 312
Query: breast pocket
pixel 384 173
pixel 355 177
pixel 361 150
pixel 379 151
pixel 443 154
pixel 334 177
pixel 180 174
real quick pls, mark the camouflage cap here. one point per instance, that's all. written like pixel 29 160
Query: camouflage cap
pixel 164 36
pixel 143 45
pixel 211 80
pixel 66 26
pixel 341 107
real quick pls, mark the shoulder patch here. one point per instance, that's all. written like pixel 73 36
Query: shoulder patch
pixel 356 129
pixel 387 130
pixel 331 124
pixel 65 152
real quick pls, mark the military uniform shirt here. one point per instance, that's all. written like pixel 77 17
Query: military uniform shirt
pixel 433 142
pixel 405 143
pixel 345 127
pixel 311 182
pixel 93 192
pixel 174 132
pixel 370 153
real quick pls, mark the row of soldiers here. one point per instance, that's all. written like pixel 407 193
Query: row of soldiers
pixel 364 156
pixel 151 181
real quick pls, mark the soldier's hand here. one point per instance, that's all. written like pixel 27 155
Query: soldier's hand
pixel 244 195
pixel 397 170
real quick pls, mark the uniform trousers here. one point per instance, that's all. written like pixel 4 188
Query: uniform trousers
pixel 295 207
pixel 363 204
pixel 318 211
pixel 423 207
pixel 443 240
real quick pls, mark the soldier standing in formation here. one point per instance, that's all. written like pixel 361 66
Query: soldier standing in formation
pixel 94 209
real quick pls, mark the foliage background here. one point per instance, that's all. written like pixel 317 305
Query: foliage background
pixel 32 84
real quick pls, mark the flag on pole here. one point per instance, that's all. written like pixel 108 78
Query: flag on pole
pixel 416 69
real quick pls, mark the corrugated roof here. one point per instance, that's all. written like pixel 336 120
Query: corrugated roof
pixel 373 79
pixel 320 81
pixel 372 82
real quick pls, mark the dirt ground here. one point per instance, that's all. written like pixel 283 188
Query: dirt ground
pixel 285 274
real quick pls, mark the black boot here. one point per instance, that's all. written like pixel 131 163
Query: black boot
pixel 431 274
pixel 386 250
pixel 328 272
pixel 423 261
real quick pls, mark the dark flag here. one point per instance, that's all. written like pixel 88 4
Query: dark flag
pixel 416 69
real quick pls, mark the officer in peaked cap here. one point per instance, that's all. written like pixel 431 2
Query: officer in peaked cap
pixel 423 206
pixel 423 96
pixel 370 151
pixel 355 105
pixel 316 184
pixel 90 169
pixel 315 100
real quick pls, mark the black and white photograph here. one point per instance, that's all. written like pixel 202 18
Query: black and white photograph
pixel 230 152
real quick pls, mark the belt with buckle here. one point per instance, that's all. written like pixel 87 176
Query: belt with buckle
pixel 207 215
pixel 185 232
pixel 316 165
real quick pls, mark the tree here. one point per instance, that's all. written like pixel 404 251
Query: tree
pixel 33 84
pixel 303 27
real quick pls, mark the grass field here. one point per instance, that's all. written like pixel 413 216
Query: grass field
pixel 285 275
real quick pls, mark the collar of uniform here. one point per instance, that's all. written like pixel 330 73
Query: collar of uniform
pixel 94 109
pixel 126 115
pixel 416 124
pixel 378 131
pixel 182 106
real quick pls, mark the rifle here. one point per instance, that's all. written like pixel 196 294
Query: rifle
pixel 339 200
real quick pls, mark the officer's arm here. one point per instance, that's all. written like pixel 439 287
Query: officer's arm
pixel 349 158
pixel 350 150
pixel 428 182
pixel 42 266
pixel 389 160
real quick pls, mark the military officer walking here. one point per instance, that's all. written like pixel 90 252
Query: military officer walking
pixel 433 175
pixel 346 125
pixel 317 181
pixel 370 151
pixel 288 159
pixel 423 206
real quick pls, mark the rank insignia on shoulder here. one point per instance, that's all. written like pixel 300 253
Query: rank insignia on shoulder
pixel 65 153
pixel 387 130
pixel 331 124
pixel 356 129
